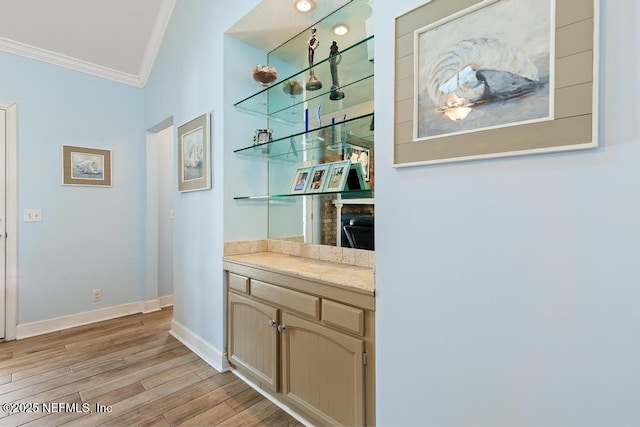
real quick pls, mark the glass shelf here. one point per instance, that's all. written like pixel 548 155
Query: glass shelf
pixel 347 194
pixel 330 137
pixel 309 128
pixel 355 75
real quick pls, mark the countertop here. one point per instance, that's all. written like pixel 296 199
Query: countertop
pixel 342 275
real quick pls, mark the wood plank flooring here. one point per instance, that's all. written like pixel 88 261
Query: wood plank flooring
pixel 123 372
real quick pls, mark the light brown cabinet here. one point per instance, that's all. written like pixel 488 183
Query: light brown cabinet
pixel 323 371
pixel 312 353
pixel 253 339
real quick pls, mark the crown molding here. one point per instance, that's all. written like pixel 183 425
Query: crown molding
pixel 155 40
pixel 140 80
pixel 61 60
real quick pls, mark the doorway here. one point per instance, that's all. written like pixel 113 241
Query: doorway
pixel 159 224
pixel 8 221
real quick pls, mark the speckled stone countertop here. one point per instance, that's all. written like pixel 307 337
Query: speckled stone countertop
pixel 343 275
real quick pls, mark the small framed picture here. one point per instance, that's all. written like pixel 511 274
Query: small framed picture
pixel 337 175
pixel 194 158
pixel 86 166
pixel 361 155
pixel 262 136
pixel 300 180
pixel 317 177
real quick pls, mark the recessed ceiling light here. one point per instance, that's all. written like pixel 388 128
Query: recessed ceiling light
pixel 303 5
pixel 341 29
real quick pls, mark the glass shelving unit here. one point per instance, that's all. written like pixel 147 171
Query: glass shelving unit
pixel 347 194
pixel 355 75
pixel 291 148
pixel 309 128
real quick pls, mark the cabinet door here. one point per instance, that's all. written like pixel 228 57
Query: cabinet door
pixel 323 371
pixel 252 340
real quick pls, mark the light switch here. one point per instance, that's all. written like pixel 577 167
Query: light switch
pixel 32 215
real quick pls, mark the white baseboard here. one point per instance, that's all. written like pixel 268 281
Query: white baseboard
pixel 166 300
pixel 65 322
pixel 158 303
pixel 203 349
pixel 40 327
pixel 151 305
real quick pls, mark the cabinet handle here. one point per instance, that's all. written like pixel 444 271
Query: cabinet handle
pixel 271 323
pixel 282 328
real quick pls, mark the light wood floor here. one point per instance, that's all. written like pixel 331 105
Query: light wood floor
pixel 131 364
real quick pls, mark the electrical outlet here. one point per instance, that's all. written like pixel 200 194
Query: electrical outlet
pixel 32 215
pixel 97 295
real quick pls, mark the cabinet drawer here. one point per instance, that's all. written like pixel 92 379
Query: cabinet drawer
pixel 343 316
pixel 238 283
pixel 293 300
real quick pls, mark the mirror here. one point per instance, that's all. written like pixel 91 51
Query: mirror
pixel 328 219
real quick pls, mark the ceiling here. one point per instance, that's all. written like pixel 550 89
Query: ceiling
pixel 273 22
pixel 119 39
pixel 116 39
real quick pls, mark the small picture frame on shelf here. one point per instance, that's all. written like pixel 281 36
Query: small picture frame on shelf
pixel 360 155
pixel 300 180
pixel 262 136
pixel 317 178
pixel 337 175
pixel 355 180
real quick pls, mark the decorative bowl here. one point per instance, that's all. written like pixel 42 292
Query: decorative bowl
pixel 265 74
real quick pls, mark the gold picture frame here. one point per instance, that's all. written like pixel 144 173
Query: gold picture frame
pixel 194 155
pixel 573 76
pixel 86 166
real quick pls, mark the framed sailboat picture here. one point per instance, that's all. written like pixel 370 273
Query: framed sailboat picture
pixel 86 166
pixel 194 158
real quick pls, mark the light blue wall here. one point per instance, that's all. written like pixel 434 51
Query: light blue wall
pixel 188 80
pixel 90 238
pixel 508 289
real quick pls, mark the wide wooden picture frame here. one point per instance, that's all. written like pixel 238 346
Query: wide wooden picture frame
pixel 194 155
pixel 86 166
pixel 571 84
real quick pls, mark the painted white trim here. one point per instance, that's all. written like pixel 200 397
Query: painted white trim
pixel 275 401
pixel 155 40
pixel 152 250
pixel 151 220
pixel 40 327
pixel 11 250
pixel 61 60
pixel 151 305
pixel 166 301
pixel 65 322
pixel 203 349
pixel 140 80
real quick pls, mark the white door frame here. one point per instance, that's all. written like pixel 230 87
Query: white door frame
pixel 152 300
pixel 11 206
